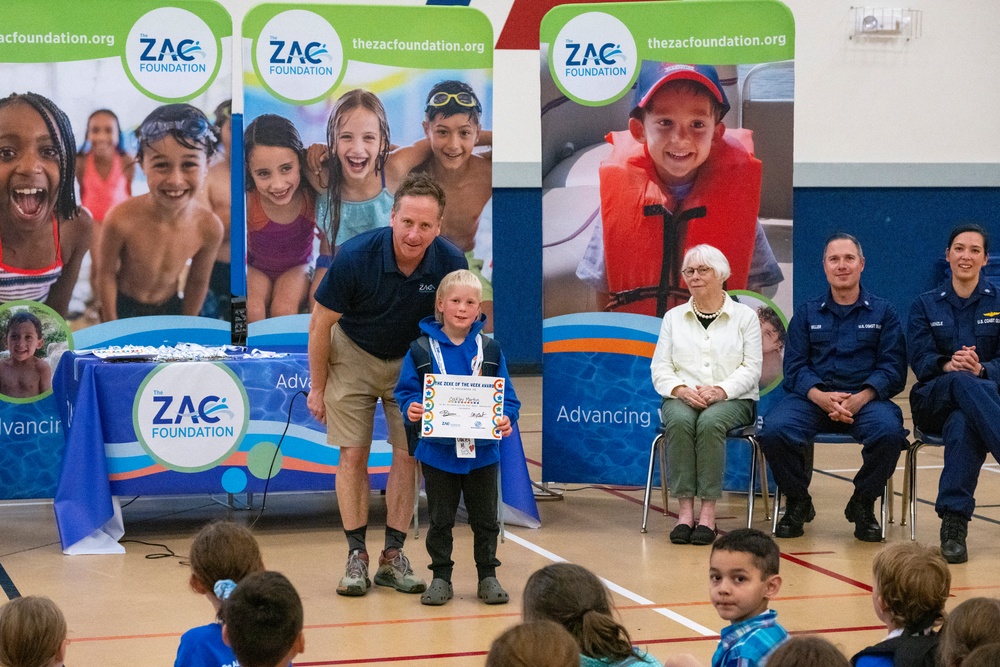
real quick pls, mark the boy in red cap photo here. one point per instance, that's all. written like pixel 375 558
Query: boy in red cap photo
pixel 674 180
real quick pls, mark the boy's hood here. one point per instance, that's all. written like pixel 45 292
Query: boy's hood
pixel 433 328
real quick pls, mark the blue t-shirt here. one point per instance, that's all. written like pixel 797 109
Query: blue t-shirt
pixel 203 647
pixel 380 307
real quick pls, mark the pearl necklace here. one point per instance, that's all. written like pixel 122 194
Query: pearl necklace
pixel 706 316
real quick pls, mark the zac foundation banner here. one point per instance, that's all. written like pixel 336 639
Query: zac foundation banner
pixel 76 81
pixel 374 93
pixel 611 263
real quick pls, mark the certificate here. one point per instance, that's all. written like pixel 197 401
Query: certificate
pixel 462 406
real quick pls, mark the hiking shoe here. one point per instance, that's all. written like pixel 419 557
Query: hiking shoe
pixel 797 513
pixel 394 570
pixel 355 582
pixel 860 513
pixel 954 529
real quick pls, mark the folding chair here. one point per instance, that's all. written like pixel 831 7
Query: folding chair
pixel 840 439
pixel 748 433
pixel 920 440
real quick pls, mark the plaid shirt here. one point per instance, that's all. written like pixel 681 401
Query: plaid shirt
pixel 747 644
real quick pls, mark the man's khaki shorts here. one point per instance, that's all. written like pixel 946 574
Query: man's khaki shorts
pixel 355 383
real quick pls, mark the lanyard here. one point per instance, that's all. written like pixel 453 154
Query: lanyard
pixel 477 361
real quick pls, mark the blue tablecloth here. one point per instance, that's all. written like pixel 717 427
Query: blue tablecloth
pixel 107 454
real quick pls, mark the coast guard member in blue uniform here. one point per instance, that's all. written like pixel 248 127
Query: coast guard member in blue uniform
pixel 953 337
pixel 845 358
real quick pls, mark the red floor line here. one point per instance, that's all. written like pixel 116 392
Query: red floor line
pixel 829 573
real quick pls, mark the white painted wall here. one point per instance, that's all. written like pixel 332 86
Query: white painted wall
pixel 933 100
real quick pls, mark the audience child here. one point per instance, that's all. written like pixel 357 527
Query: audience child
pixel 911 585
pixel 452 127
pixel 104 172
pixel 574 597
pixel 22 374
pixel 987 655
pixel 148 240
pixel 452 471
pixel 43 233
pixel 222 555
pixel 281 218
pixel 534 644
pixel 807 651
pixel 969 625
pixel 743 577
pixel 355 172
pixel 217 195
pixel 262 621
pixel 32 633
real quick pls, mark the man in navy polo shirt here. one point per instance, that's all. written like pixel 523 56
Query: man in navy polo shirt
pixel 368 306
pixel 845 358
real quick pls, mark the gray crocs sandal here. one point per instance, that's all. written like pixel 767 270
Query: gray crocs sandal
pixel 491 592
pixel 437 593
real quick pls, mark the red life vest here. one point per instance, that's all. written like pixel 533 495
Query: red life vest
pixel 721 210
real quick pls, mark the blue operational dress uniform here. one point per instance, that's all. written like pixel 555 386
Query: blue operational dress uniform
pixel 963 408
pixel 839 348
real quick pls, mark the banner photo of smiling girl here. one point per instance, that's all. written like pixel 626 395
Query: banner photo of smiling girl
pixel 106 141
pixel 340 104
pixel 664 126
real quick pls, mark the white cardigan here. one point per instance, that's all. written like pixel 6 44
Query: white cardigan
pixel 726 354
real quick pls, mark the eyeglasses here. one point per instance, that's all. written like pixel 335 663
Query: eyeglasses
pixel 701 271
pixel 195 129
pixel 462 99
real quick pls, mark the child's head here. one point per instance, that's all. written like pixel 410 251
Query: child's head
pixel 357 135
pixel 678 114
pixel 772 330
pixel 223 550
pixel 811 650
pixel 575 598
pixel 175 142
pixel 540 643
pixel 262 621
pixel 32 633
pixel 458 299
pixel 34 128
pixel 224 124
pixel 187 125
pixel 987 655
pixel 970 624
pixel 23 335
pixel 911 583
pixel 451 122
pixel 104 133
pixel 743 574
pixel 274 158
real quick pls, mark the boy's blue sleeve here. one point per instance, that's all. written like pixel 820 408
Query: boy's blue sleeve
pixel 511 404
pixel 408 387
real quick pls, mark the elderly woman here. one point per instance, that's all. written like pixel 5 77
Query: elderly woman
pixel 706 367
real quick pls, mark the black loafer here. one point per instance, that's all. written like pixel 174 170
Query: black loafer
pixel 681 534
pixel 702 535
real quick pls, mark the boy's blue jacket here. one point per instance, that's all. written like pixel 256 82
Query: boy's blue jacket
pixel 440 452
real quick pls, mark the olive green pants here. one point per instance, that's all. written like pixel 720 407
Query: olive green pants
pixel 696 444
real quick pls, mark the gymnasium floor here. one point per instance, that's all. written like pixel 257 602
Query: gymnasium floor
pixel 130 610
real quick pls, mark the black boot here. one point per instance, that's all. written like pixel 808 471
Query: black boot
pixel 954 529
pixel 797 513
pixel 866 526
